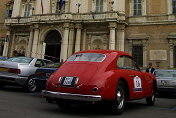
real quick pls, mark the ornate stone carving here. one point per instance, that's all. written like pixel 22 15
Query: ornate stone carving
pixel 112 25
pixel 93 39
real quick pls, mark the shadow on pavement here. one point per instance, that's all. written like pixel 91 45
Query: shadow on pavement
pixel 166 95
pixel 19 89
pixel 95 109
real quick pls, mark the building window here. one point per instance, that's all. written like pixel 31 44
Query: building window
pixel 27 10
pixel 137 8
pixel 99 5
pixel 174 56
pixel 174 6
pixel 59 5
pixel 137 52
pixel 8 13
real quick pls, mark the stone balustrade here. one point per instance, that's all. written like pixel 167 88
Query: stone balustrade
pixel 75 17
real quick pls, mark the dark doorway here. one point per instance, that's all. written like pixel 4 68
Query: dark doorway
pixel 53 46
pixel 137 53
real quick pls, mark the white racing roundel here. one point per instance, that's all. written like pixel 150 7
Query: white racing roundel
pixel 137 84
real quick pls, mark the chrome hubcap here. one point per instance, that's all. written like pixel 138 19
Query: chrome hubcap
pixel 120 98
pixel 153 95
pixel 31 85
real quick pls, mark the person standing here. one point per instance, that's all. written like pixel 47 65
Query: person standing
pixel 15 53
pixel 150 69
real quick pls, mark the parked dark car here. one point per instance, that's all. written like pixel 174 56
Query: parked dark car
pixel 42 74
pixel 166 80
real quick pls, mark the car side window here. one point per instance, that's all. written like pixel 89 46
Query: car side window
pixel 48 63
pixel 126 62
pixel 39 63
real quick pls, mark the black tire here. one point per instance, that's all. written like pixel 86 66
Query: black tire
pixel 63 104
pixel 1 85
pixel 49 100
pixel 151 100
pixel 118 104
pixel 31 85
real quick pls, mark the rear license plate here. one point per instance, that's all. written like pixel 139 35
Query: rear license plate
pixel 4 69
pixel 69 81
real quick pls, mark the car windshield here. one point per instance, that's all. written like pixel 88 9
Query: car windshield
pixel 2 58
pixel 92 57
pixel 166 73
pixel 52 65
pixel 20 59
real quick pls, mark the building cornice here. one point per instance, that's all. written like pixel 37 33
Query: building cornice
pixel 68 17
pixel 165 19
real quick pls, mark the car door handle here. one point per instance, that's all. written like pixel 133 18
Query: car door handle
pixel 131 75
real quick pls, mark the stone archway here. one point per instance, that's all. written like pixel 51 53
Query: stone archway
pixel 53 45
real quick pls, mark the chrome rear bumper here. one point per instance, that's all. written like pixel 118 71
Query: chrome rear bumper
pixel 71 96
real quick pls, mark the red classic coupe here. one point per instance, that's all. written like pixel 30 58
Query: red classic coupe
pixel 100 75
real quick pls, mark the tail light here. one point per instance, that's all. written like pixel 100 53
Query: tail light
pixel 13 70
pixel 39 74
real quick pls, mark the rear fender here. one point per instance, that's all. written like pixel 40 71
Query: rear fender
pixel 107 85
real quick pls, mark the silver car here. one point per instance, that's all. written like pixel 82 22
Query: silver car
pixel 20 71
pixel 166 81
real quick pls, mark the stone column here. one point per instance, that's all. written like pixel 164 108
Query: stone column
pixel 43 50
pixel 144 56
pixel 78 38
pixel 84 40
pixel 35 41
pixel 130 46
pixel 64 46
pixel 171 53
pixel 93 6
pixel 6 44
pixel 121 37
pixel 71 40
pixel 66 6
pixel 38 8
pixel 29 48
pixel 16 8
pixel 112 27
pixel 13 45
pixel 144 53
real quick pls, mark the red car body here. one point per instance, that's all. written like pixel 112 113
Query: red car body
pixel 98 80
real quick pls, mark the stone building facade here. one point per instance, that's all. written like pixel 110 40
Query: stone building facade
pixel 143 28
pixel 3 15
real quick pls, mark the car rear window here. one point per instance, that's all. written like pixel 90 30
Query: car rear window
pixel 20 59
pixel 166 74
pixel 92 57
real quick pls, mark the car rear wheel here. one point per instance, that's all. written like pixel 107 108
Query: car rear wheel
pixel 118 104
pixel 151 100
pixel 1 85
pixel 31 85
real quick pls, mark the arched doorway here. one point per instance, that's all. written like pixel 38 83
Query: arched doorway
pixel 53 45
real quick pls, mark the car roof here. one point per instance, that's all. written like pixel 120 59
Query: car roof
pixel 165 70
pixel 104 52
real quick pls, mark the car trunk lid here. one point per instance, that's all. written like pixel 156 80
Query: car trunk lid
pixel 10 67
pixel 79 71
